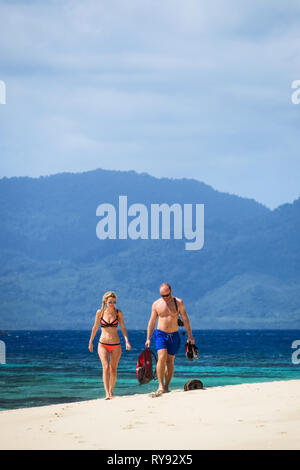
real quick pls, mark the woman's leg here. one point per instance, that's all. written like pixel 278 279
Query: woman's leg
pixel 104 357
pixel 115 355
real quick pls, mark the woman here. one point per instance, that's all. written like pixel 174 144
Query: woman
pixel 109 347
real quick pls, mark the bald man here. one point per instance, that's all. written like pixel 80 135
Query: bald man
pixel 166 337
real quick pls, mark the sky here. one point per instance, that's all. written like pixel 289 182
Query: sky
pixel 192 89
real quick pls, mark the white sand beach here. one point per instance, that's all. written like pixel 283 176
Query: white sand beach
pixel 248 416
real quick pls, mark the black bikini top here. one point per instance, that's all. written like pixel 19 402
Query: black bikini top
pixel 105 324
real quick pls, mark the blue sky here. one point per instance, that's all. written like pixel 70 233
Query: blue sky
pixel 173 88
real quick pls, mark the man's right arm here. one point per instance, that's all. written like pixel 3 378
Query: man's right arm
pixel 151 325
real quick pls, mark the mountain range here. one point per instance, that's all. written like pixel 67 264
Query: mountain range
pixel 54 269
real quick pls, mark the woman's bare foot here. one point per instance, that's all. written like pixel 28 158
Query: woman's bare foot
pixel 108 397
pixel 166 389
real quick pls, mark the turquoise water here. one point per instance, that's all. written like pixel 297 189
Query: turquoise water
pixel 46 367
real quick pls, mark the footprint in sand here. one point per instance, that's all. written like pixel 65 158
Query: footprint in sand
pixel 129 411
pixel 129 426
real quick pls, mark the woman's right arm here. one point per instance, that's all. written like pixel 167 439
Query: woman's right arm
pixel 95 329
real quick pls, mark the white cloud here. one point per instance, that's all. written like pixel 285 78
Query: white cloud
pixel 197 89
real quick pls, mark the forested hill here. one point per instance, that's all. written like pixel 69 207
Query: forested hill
pixel 54 269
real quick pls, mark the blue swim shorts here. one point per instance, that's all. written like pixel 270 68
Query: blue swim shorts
pixel 169 341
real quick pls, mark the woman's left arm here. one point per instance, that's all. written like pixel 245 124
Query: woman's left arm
pixel 123 329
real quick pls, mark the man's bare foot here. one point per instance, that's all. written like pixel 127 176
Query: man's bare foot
pixel 166 390
pixel 111 394
pixel 158 393
pixel 108 397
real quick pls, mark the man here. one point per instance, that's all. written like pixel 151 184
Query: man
pixel 167 340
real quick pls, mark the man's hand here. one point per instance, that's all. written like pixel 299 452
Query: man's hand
pixel 191 340
pixel 147 344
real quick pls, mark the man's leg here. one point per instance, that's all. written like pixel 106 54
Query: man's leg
pixel 172 348
pixel 160 368
pixel 169 371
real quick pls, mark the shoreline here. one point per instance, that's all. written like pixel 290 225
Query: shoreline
pixel 3 410
pixel 264 415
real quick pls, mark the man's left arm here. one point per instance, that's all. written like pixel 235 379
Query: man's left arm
pixel 186 322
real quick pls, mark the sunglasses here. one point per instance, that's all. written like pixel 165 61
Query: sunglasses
pixel 112 302
pixel 166 295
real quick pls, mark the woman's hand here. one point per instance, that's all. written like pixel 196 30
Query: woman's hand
pixel 90 346
pixel 128 346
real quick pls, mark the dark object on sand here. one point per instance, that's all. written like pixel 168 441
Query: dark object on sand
pixel 193 384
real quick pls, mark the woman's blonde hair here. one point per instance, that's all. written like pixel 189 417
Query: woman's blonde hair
pixel 105 298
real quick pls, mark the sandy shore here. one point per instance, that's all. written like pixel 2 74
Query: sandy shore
pixel 248 416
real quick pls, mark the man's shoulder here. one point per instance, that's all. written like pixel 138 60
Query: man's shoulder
pixel 156 303
pixel 180 304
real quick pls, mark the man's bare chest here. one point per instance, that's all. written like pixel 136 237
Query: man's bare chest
pixel 167 311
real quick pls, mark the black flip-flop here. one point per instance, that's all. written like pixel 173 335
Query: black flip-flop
pixel 189 351
pixel 195 351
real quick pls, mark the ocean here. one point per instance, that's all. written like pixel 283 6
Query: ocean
pixel 48 367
